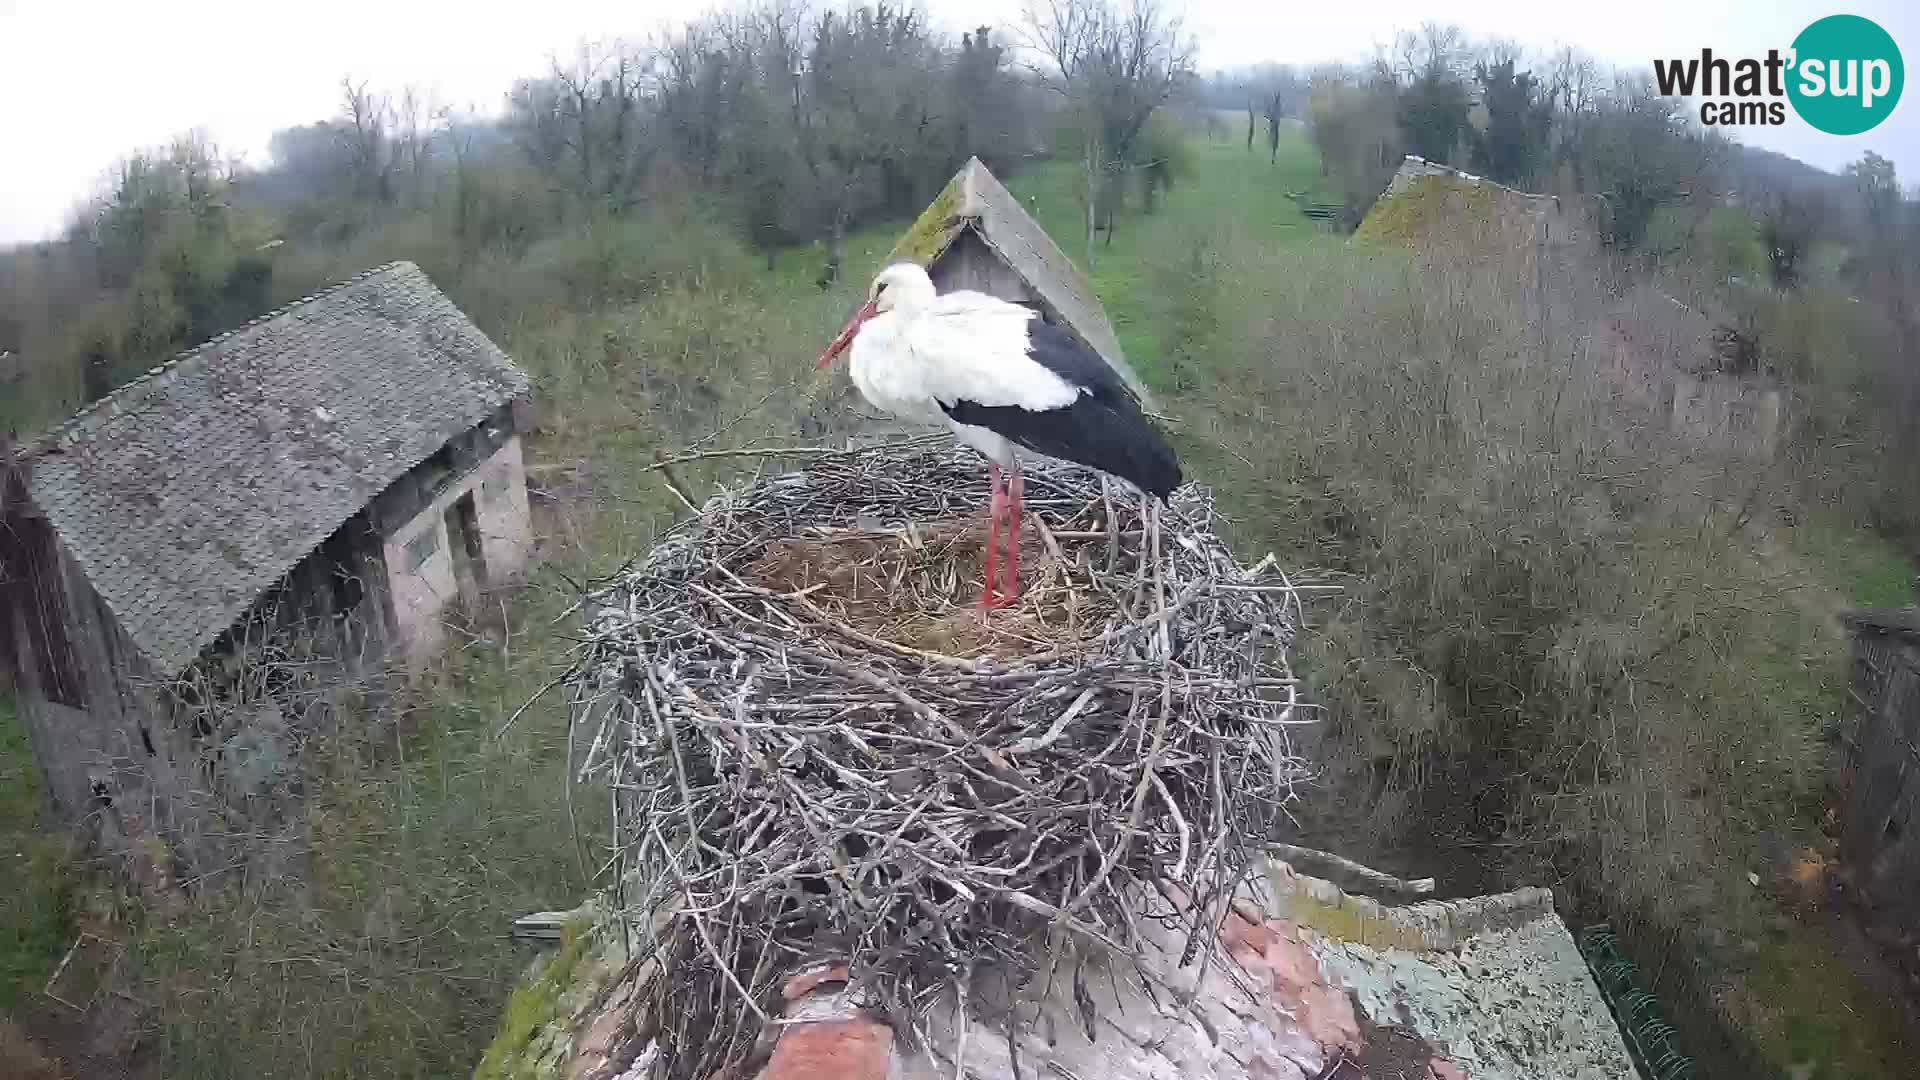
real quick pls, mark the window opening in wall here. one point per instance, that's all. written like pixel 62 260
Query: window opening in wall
pixel 463 537
pixel 421 548
pixel 435 472
pixel 341 563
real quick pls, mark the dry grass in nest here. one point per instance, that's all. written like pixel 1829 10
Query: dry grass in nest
pixel 816 744
pixel 919 586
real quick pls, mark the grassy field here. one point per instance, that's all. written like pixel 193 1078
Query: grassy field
pixel 1533 599
pixel 1864 569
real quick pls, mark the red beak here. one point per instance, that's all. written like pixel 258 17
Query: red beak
pixel 846 334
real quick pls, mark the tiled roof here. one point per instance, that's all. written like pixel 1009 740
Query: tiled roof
pixel 1306 980
pixel 188 492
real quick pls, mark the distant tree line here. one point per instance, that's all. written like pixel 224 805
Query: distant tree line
pixel 1267 93
pixel 1550 122
pixel 805 124
pixel 1671 190
pixel 182 260
pixel 1817 275
pixel 788 125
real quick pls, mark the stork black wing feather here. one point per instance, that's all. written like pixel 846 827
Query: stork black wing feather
pixel 1102 428
pixel 1096 430
pixel 1061 351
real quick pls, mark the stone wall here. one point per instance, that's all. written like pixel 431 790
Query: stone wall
pixel 424 565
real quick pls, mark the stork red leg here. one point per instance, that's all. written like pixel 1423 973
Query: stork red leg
pixel 1016 519
pixel 989 592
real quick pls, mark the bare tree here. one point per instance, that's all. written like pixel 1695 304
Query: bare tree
pixel 814 120
pixel 1642 150
pixel 364 131
pixel 1352 118
pixel 1429 67
pixel 1576 84
pixel 1115 66
pixel 417 122
pixel 1275 90
pixel 865 112
pixel 584 123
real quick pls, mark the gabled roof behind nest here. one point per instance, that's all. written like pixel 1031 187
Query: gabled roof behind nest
pixel 975 201
pixel 188 492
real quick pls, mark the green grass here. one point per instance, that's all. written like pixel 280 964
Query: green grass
pixel 1815 1018
pixel 1867 570
pixel 36 882
pixel 382 949
pixel 1227 182
pixel 1227 285
pixel 535 1003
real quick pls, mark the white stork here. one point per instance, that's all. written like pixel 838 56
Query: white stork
pixel 1002 378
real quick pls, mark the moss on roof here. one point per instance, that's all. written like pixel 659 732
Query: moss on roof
pixel 930 233
pixel 1428 204
pixel 529 1045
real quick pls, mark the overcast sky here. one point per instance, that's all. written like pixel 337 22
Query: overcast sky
pixel 83 82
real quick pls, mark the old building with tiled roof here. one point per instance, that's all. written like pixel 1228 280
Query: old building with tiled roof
pixel 336 471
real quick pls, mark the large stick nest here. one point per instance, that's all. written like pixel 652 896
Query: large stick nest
pixel 820 748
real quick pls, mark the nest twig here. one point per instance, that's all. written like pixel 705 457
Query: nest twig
pixel 819 748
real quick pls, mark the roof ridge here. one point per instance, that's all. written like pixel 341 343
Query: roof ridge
pixel 53 435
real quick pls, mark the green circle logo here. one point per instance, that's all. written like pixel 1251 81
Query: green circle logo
pixel 1846 74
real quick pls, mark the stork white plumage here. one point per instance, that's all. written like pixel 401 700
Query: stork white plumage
pixel 1003 379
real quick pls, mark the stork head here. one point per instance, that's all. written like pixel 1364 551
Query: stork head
pixel 900 287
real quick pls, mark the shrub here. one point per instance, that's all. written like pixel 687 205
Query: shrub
pixel 1552 649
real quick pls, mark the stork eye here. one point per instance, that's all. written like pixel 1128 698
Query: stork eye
pixel 879 288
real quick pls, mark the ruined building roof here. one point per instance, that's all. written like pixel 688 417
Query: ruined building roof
pixel 188 492
pixel 975 200
pixel 1305 980
pixel 1428 205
